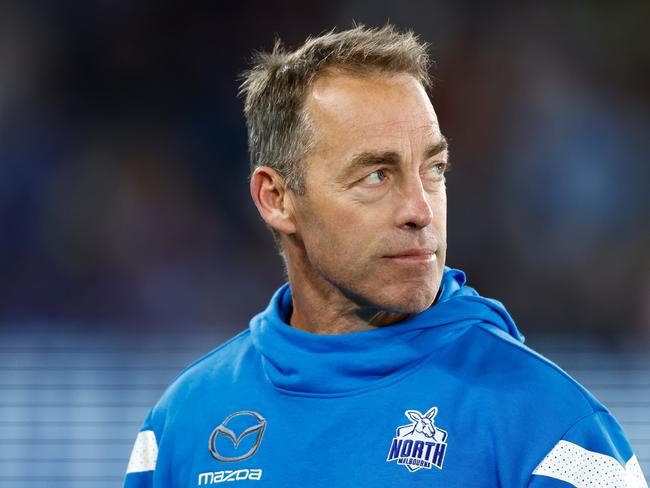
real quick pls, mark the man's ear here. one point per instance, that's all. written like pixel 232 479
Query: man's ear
pixel 272 200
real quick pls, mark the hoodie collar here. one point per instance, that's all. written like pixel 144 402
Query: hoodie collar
pixel 314 364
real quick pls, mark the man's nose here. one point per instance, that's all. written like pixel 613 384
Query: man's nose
pixel 414 209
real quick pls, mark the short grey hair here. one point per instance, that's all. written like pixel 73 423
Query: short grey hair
pixel 275 88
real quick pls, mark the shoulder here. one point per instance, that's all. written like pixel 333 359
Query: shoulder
pixel 215 368
pixel 534 410
pixel 218 357
pixel 516 377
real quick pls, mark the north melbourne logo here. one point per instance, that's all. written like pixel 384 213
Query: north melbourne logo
pixel 419 444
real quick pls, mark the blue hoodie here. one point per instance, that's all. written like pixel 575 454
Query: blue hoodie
pixel 450 397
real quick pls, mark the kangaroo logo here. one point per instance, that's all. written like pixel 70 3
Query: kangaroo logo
pixel 419 444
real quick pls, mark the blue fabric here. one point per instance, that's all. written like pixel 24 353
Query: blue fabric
pixel 450 397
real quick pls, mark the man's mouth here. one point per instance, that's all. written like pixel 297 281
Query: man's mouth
pixel 414 255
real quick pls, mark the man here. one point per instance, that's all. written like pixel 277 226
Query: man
pixel 375 365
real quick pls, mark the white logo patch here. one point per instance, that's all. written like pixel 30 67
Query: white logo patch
pixel 583 468
pixel 144 454
pixel 419 444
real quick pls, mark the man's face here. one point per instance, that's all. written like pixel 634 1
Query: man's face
pixel 372 222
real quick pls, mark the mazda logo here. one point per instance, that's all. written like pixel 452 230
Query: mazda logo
pixel 223 430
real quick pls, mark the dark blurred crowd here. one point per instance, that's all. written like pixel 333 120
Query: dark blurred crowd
pixel 123 162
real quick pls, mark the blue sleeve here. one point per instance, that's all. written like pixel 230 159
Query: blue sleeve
pixel 593 452
pixel 144 456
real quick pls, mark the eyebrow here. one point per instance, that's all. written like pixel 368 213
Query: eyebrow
pixel 437 148
pixel 391 158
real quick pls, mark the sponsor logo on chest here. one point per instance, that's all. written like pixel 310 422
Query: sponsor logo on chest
pixel 213 477
pixel 226 445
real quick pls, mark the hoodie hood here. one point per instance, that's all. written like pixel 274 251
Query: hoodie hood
pixel 316 364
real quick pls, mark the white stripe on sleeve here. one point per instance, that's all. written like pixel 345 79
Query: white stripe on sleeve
pixel 144 453
pixel 587 469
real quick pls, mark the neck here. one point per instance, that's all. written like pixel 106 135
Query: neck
pixel 321 317
pixel 321 307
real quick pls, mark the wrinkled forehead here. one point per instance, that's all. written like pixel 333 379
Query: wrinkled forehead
pixel 376 110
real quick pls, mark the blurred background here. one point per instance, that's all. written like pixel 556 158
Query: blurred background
pixel 129 245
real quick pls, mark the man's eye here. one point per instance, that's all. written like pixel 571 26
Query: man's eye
pixel 439 169
pixel 375 177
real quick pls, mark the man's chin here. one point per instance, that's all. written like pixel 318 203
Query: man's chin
pixel 412 297
pixel 412 304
